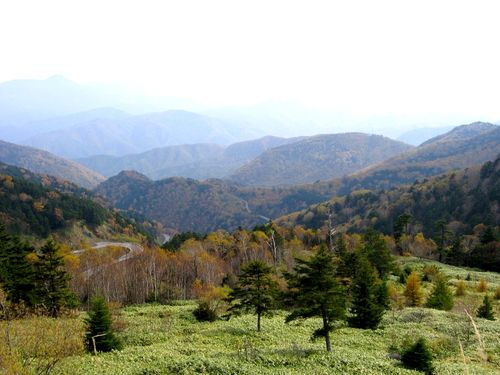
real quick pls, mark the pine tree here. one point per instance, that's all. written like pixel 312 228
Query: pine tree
pixel 418 357
pixel 99 328
pixel 52 281
pixel 368 303
pixel 255 291
pixel 485 311
pixel 377 252
pixel 413 291
pixel 315 292
pixel 441 297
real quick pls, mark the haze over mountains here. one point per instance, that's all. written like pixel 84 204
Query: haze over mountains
pixel 29 108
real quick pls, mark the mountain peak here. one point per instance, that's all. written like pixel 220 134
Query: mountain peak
pixel 463 132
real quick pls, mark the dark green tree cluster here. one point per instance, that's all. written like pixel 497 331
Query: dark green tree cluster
pixel 317 287
pixel 37 279
pixel 33 208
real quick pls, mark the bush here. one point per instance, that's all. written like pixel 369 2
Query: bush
pixel 211 304
pixel 205 313
pixel 418 357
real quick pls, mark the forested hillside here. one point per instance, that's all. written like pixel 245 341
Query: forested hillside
pixel 179 203
pixel 44 162
pixel 38 206
pixel 465 198
pixel 321 157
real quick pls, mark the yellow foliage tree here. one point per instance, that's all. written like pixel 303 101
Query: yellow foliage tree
pixel 413 291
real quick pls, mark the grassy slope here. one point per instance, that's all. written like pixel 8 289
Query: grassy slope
pixel 167 340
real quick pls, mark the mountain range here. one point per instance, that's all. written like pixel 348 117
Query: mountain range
pixel 186 204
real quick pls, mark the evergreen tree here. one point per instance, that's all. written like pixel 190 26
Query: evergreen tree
pixel 99 328
pixel 16 271
pixel 418 357
pixel 456 256
pixel 441 297
pixel 413 291
pixel 315 292
pixel 443 232
pixel 368 304
pixel 401 228
pixel 485 311
pixel 377 252
pixel 52 281
pixel 488 235
pixel 346 259
pixel 255 291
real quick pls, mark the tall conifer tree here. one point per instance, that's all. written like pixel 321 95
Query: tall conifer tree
pixel 315 292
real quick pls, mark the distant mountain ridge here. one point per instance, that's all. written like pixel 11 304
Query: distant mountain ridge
pixel 321 157
pixel 135 134
pixel 199 161
pixel 43 162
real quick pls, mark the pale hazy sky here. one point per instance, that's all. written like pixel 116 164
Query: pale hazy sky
pixel 367 56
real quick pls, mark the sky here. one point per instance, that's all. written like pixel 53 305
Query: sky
pixel 369 57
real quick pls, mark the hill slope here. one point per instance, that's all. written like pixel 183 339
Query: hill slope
pixel 465 199
pixel 44 162
pixel 320 157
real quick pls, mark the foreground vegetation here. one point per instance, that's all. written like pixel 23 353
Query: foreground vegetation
pixel 167 339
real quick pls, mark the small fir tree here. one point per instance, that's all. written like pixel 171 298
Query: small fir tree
pixel 255 292
pixel 315 292
pixel 99 328
pixel 52 281
pixel 413 291
pixel 418 357
pixel 441 297
pixel 368 303
pixel 485 311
